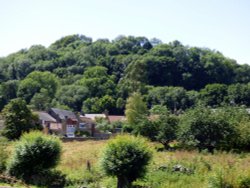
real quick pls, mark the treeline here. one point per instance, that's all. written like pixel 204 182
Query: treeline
pixel 93 76
pixel 204 128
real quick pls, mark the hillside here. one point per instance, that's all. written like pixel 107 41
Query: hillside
pixel 93 76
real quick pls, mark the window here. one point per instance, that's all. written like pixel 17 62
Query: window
pixel 82 125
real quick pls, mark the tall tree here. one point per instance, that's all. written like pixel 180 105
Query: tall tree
pixel 18 119
pixel 136 109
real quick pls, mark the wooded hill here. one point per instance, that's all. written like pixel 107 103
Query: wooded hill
pixel 93 76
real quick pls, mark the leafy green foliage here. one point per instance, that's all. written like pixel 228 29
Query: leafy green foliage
pixel 72 96
pixel 168 125
pixel 75 68
pixel 126 157
pixel 97 105
pixel 18 119
pixel 213 94
pixel 210 129
pixel 31 154
pixel 35 82
pixel 175 98
pixel 136 109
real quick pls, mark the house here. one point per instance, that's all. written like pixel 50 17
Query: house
pixel 67 120
pixel 87 125
pixel 49 123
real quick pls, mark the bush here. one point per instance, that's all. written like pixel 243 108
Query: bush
pixel 34 154
pixel 126 157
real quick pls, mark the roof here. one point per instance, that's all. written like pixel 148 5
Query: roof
pixel 94 116
pixel 86 119
pixel 45 116
pixel 116 118
pixel 64 113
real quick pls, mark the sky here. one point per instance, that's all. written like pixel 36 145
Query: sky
pixel 222 25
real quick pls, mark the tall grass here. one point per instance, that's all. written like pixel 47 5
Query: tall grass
pixel 205 169
pixel 80 162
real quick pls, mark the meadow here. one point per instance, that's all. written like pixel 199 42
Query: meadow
pixel 168 169
pixel 80 161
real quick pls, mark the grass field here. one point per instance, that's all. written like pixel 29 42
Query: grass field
pixel 202 169
pixel 218 170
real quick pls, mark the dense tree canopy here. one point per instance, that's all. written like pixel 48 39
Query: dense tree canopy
pixel 75 70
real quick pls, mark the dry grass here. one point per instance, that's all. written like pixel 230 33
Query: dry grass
pixel 76 155
pixel 232 166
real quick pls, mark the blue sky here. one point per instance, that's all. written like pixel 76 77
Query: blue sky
pixel 223 25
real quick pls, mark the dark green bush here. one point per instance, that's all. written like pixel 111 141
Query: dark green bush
pixel 126 157
pixel 34 154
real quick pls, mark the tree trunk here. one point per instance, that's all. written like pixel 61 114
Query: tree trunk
pixel 122 182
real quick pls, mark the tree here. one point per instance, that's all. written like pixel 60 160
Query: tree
pixel 213 94
pixel 126 157
pixel 41 100
pixel 167 124
pixel 34 82
pixel 98 82
pixel 18 119
pixel 136 109
pixel 206 128
pixel 31 154
pixel 239 94
pixel 99 105
pixel 72 96
pixel 175 98
pixel 8 91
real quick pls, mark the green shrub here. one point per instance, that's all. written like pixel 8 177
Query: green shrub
pixel 34 154
pixel 126 157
